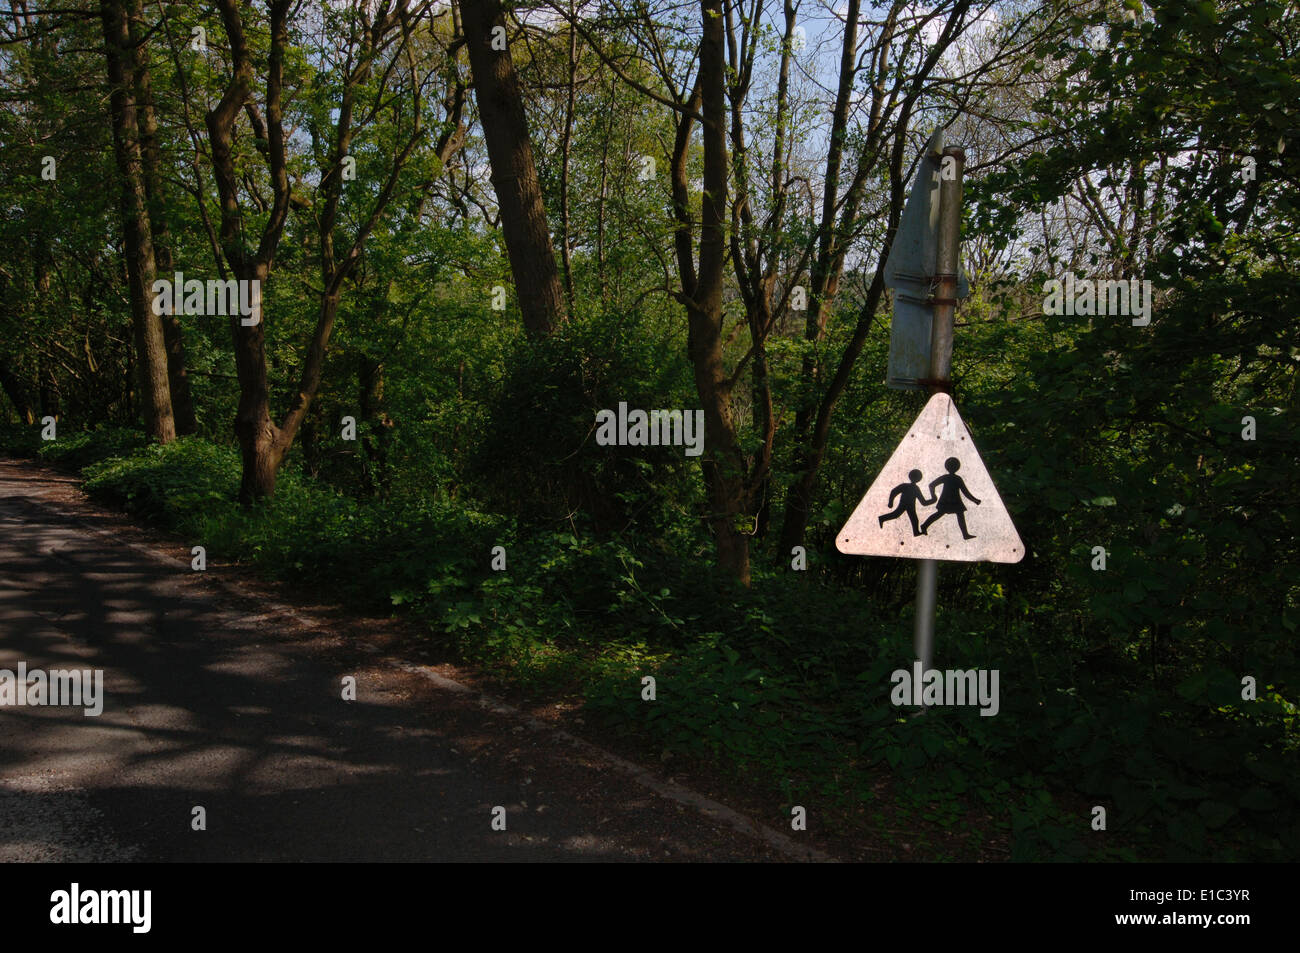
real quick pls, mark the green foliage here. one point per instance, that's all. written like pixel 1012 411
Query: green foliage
pixel 372 554
pixel 538 459
pixel 79 450
pixel 179 485
pixel 20 440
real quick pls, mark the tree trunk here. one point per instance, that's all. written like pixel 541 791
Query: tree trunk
pixel 256 432
pixel 177 374
pixel 260 462
pixel 565 149
pixel 600 199
pixel 723 462
pixel 178 377
pixel 374 439
pixel 514 173
pixel 760 495
pixel 259 438
pixel 137 234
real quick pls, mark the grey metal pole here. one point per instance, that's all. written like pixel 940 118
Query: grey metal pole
pixel 945 295
pixel 927 586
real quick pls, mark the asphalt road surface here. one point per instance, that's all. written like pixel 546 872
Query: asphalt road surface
pixel 216 697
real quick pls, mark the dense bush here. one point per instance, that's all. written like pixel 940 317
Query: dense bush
pixel 20 440
pixel 80 449
pixel 537 457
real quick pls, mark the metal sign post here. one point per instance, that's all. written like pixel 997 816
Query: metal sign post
pixel 936 464
pixel 945 302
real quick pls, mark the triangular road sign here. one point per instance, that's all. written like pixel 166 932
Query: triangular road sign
pixel 936 499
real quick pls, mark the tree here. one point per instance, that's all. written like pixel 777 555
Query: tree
pixel 701 293
pixel 514 172
pixel 141 263
pixel 365 40
pixel 150 152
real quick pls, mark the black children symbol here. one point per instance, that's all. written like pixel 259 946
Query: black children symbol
pixel 954 487
pixel 908 495
pixel 948 500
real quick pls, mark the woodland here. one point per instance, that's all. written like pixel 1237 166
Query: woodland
pixel 458 233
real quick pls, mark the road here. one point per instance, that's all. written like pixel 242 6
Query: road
pixel 220 698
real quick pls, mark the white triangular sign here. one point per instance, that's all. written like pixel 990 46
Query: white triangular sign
pixel 934 499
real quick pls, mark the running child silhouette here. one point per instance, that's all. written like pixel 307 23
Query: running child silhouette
pixel 953 487
pixel 910 494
